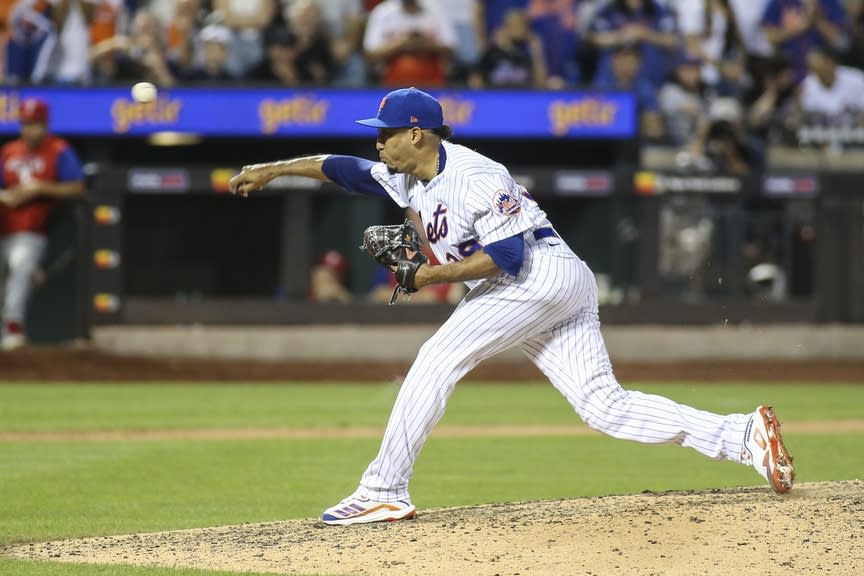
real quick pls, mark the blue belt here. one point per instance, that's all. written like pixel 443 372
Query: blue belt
pixel 547 232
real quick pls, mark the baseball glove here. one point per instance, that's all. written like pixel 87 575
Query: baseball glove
pixel 398 247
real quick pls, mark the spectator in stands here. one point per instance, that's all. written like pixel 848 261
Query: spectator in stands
pixel 773 110
pixel 684 100
pixel 626 63
pixel 139 56
pixel 831 94
pixel 165 10
pixel 5 25
pixel 514 59
pixel 297 56
pixel 711 34
pixel 83 24
pixel 314 46
pixel 722 143
pixel 215 44
pixel 758 51
pixel 109 20
pixel 465 18
pixel 70 64
pixel 32 37
pixel 37 169
pixel 409 43
pixel 344 21
pixel 556 23
pixel 644 23
pixel 491 14
pixel 855 13
pixel 248 20
pixel 327 279
pixel 181 31
pixel 795 26
pixel 748 17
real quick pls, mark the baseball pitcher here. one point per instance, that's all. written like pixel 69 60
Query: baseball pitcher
pixel 527 289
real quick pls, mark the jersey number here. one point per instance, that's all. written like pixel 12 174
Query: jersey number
pixel 465 249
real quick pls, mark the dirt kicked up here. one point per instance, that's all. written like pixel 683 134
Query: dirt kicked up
pixel 816 529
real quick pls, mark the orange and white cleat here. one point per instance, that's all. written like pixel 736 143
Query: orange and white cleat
pixel 764 450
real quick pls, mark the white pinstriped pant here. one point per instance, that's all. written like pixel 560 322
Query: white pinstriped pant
pixel 550 311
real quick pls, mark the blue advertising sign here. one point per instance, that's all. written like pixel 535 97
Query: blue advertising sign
pixel 322 113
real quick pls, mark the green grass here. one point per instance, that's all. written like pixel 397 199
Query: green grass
pixel 133 407
pixel 25 568
pixel 51 490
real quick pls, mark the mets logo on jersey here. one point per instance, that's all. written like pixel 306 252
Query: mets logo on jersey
pixel 507 203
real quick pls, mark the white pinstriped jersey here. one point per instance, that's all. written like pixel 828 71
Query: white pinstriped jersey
pixel 549 310
pixel 473 202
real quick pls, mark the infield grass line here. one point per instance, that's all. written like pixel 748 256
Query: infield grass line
pixel 16 567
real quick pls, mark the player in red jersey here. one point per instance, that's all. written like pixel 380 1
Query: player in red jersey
pixel 36 169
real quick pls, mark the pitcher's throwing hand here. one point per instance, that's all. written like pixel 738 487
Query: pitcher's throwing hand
pixel 250 179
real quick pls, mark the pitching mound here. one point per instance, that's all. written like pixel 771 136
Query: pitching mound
pixel 817 529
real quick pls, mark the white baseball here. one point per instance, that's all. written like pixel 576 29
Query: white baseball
pixel 144 92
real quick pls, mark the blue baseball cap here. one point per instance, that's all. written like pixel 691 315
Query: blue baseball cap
pixel 406 108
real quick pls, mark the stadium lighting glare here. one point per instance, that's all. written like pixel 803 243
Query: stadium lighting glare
pixel 173 139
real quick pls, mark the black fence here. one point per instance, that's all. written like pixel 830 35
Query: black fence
pixel 169 245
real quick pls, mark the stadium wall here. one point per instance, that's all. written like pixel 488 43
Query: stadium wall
pixel 384 343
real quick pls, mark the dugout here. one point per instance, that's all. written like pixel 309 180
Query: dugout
pixel 189 253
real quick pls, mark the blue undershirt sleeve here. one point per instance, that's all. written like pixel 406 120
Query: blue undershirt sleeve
pixel 507 254
pixel 69 167
pixel 352 173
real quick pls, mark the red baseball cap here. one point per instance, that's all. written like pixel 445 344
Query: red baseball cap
pixel 335 261
pixel 33 110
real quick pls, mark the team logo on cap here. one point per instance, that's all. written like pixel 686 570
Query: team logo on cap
pixel 381 106
pixel 507 203
pixel 413 119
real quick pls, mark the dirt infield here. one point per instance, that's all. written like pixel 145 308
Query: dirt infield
pixel 56 364
pixel 817 529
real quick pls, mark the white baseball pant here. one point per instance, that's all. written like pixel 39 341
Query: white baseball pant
pixel 551 312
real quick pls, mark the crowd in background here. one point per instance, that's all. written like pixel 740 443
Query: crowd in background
pixel 756 69
pixel 719 79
